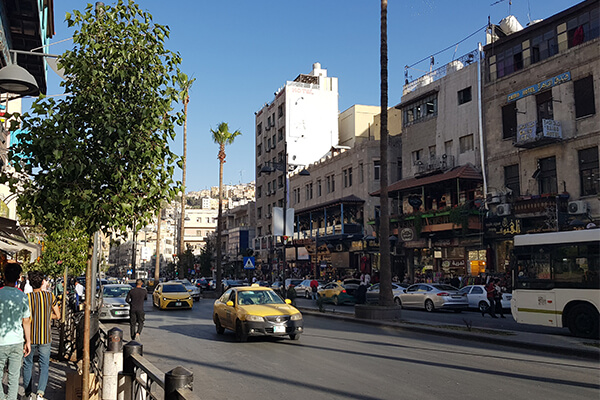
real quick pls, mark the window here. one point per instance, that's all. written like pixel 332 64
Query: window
pixel 280 182
pixel 547 175
pixel 509 121
pixel 361 173
pixel 509 61
pixel 448 147
pixel 333 183
pixel 328 184
pixel 259 192
pixel 417 156
pixel 280 111
pixel 258 129
pixel 268 188
pixel 466 143
pixel 280 134
pixel 544 108
pixel 584 97
pixel 420 110
pixel 319 192
pixel 347 176
pixel 511 179
pixel 544 46
pixel 269 144
pixel 431 152
pixel 259 150
pixel 309 191
pixel 398 168
pixel 259 213
pixel 376 168
pixel 274 141
pixel 588 171
pixel 583 27
pixel 464 96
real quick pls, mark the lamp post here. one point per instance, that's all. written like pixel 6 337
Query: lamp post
pixel 283 167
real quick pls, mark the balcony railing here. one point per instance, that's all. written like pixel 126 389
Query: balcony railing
pixel 441 220
pixel 434 165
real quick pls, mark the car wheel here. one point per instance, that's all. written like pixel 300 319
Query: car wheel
pixel 336 301
pixel 218 327
pixel 483 306
pixel 398 302
pixel 240 335
pixel 583 321
pixel 429 307
pixel 295 336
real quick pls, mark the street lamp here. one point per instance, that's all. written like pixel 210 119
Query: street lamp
pixel 283 166
pixel 17 80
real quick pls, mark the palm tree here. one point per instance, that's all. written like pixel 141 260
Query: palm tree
pixel 222 137
pixel 185 85
pixel 386 297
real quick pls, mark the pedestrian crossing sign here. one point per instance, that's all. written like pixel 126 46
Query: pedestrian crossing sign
pixel 249 263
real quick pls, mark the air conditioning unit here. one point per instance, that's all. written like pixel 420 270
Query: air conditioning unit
pixel 339 247
pixel 578 207
pixel 503 209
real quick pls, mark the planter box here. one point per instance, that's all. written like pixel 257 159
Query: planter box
pixel 365 311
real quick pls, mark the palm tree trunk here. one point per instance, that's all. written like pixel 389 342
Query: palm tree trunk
pixel 219 218
pixel 385 274
pixel 181 239
pixel 157 261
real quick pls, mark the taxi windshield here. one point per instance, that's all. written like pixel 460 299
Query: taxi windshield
pixel 257 297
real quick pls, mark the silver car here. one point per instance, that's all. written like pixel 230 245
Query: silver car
pixel 112 301
pixel 477 296
pixel 397 290
pixel 434 296
pixel 303 289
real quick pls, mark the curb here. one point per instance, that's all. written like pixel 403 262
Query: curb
pixel 591 353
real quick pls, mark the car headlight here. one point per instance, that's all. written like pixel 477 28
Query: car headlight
pixel 107 305
pixel 254 318
pixel 164 299
pixel 296 317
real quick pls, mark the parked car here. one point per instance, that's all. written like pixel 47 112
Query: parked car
pixel 477 296
pixel 303 289
pixel 205 283
pixel 337 293
pixel 256 311
pixel 112 302
pixel 169 295
pixel 229 283
pixel 433 296
pixel 293 282
pixel 397 290
pixel 194 290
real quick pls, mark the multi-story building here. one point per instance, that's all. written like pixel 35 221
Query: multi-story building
pixel 541 98
pixel 296 128
pixel 198 224
pixel 238 237
pixel 435 218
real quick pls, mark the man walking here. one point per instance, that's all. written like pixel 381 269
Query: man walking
pixel 136 298
pixel 15 328
pixel 43 310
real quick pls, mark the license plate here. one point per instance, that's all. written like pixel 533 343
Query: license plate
pixel 177 303
pixel 121 312
pixel 279 329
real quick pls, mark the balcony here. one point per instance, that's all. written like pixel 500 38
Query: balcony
pixel 538 206
pixel 434 165
pixel 461 217
pixel 530 134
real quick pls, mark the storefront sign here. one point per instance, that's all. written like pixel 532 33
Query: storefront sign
pixel 508 226
pixel 356 245
pixel 416 244
pixel 538 87
pixel 302 242
pixel 445 243
pixel 407 234
pixel 454 263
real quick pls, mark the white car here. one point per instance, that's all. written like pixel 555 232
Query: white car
pixel 194 290
pixel 477 296
pixel 397 289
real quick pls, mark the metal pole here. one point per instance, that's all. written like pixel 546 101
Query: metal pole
pixel 95 271
pixel 177 378
pixel 133 274
pixel 285 189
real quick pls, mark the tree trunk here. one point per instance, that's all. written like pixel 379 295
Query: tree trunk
pixel 157 261
pixel 385 274
pixel 85 384
pixel 219 222
pixel 182 222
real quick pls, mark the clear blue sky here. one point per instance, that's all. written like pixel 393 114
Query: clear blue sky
pixel 241 51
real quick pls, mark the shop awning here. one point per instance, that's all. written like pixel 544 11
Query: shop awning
pixel 13 240
pixel 462 172
pixel 352 199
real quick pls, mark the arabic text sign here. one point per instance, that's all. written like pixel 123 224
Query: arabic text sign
pixel 538 87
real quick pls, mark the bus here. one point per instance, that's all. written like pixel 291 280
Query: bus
pixel 556 280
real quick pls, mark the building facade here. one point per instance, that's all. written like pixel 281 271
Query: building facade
pixel 541 99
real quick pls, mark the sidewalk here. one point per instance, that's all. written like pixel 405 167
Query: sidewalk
pixel 557 344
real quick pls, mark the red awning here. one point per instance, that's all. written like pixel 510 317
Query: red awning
pixel 462 172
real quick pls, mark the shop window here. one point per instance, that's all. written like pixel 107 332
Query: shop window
pixel 511 179
pixel 509 121
pixel 584 97
pixel 588 171
pixel 546 175
pixel 464 96
pixel 466 143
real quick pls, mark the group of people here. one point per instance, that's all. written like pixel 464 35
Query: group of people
pixel 25 330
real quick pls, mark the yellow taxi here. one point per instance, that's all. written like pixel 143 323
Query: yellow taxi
pixel 169 295
pixel 256 311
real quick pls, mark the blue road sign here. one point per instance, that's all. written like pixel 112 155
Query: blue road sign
pixel 249 263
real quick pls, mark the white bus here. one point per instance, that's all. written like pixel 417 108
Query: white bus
pixel 556 280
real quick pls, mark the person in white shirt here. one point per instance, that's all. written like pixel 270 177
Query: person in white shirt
pixel 79 290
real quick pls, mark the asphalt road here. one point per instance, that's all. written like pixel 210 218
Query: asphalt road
pixel 344 360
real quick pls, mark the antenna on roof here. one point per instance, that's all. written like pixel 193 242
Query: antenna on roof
pixel 502 1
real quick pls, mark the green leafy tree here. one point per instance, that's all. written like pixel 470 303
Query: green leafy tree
pixel 222 137
pixel 206 257
pixel 64 248
pixel 99 157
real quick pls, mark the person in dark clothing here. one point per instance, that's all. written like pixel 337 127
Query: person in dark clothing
pixel 490 288
pixel 136 298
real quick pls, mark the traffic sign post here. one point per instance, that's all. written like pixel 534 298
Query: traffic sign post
pixel 249 263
